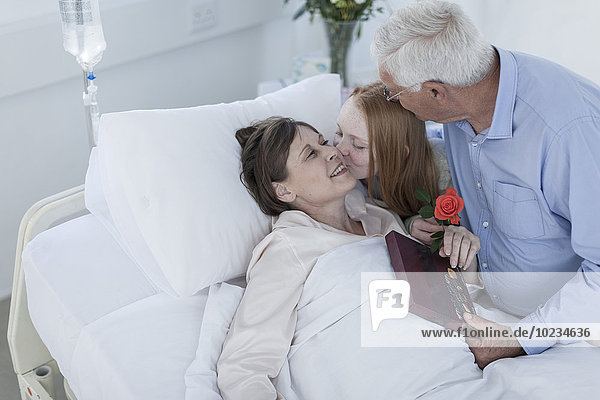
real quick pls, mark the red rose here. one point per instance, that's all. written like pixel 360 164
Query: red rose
pixel 447 206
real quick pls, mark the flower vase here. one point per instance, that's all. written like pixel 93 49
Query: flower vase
pixel 340 35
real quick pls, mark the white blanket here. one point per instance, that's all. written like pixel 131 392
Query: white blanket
pixel 326 359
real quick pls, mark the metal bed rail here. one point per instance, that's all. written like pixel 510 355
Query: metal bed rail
pixel 32 361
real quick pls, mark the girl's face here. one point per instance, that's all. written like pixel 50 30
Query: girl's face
pixel 317 174
pixel 352 140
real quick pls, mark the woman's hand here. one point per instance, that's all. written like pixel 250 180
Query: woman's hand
pixel 460 245
pixel 422 229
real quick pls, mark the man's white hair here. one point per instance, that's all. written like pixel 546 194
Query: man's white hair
pixel 432 41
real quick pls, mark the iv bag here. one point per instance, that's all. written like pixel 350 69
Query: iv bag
pixel 82 31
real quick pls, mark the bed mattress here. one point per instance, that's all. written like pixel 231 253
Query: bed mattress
pixel 113 335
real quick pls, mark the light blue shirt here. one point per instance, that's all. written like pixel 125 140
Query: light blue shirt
pixel 531 185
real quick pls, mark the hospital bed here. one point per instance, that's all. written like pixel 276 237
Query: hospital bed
pixel 134 315
pixel 28 351
pixel 82 305
pixel 119 283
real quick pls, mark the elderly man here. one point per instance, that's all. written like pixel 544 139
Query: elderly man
pixel 523 142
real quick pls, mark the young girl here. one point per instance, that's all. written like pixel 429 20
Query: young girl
pixel 298 178
pixel 386 147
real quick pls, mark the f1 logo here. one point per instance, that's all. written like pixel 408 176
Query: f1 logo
pixel 388 299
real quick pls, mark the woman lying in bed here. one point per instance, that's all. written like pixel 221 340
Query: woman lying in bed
pixel 299 179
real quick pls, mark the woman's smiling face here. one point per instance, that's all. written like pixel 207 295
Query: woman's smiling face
pixel 352 139
pixel 316 170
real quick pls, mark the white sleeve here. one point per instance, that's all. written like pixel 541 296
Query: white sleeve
pixel 262 329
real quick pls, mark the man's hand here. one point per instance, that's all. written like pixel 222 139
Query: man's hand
pixel 461 245
pixel 422 229
pixel 487 350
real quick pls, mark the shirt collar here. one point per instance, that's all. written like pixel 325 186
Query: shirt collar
pixel 502 121
pixel 355 206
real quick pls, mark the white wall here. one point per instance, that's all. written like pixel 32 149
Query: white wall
pixel 565 32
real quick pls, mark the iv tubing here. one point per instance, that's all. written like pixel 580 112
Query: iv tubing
pixel 88 117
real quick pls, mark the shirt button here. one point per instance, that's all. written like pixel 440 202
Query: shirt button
pixel 474 144
pixel 495 297
pixel 484 265
pixel 479 185
pixel 485 224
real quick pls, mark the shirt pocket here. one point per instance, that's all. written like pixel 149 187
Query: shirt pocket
pixel 517 212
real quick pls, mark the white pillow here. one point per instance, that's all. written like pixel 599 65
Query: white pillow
pixel 171 181
pixel 95 202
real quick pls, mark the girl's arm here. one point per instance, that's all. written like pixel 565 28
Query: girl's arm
pixel 262 329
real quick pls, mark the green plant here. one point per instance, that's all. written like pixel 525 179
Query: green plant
pixel 339 10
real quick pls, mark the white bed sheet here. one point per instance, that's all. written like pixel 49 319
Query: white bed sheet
pixel 113 335
pixel 75 274
pixel 140 351
pixel 329 318
pixel 328 361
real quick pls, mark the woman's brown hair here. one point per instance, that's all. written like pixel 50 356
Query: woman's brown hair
pixel 265 149
pixel 391 129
